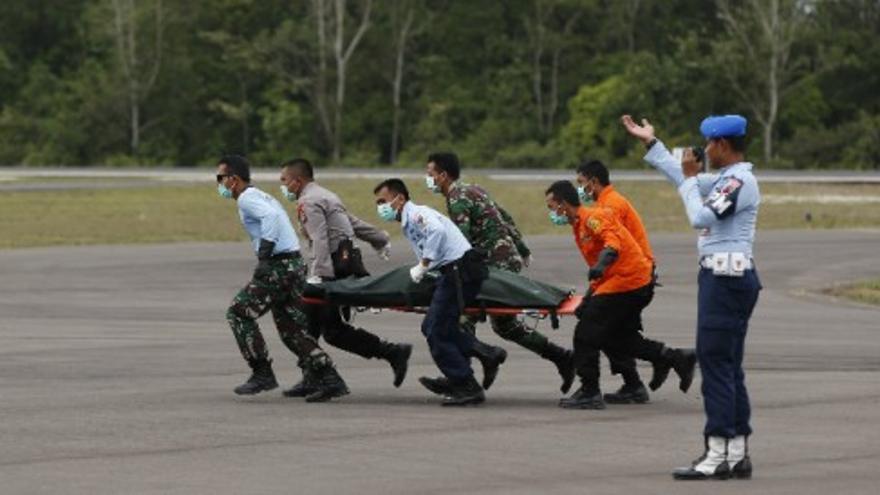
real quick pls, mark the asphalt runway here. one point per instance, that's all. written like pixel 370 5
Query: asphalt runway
pixel 117 369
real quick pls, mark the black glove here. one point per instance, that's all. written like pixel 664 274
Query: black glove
pixel 606 258
pixel 264 254
pixel 265 250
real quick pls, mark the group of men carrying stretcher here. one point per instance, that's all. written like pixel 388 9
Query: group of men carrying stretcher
pixel 457 249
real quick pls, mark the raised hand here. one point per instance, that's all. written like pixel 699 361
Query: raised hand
pixel 644 132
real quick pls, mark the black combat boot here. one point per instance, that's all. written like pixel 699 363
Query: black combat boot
pixel 583 399
pixel 564 361
pixel 738 457
pixel 439 386
pixel 262 378
pixel 711 465
pixel 683 361
pixel 491 357
pixel 629 393
pixel 464 393
pixel 305 387
pixel 328 385
pixel 397 356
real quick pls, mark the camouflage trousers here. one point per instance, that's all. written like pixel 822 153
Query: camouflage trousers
pixel 275 287
pixel 507 326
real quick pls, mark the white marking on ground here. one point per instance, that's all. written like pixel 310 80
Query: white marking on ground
pixel 781 199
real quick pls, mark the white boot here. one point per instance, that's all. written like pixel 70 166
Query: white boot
pixel 713 464
pixel 738 457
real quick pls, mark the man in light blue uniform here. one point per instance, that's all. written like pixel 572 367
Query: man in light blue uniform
pixel 440 246
pixel 724 206
pixel 276 285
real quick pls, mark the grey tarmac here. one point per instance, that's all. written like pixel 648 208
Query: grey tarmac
pixel 117 369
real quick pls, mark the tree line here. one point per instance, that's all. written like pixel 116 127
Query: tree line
pixel 512 84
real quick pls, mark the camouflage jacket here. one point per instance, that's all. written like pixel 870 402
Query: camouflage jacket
pixel 486 225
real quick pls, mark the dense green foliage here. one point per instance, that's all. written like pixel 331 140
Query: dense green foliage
pixel 519 83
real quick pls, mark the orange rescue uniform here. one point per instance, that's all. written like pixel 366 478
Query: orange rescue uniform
pixel 628 216
pixel 597 228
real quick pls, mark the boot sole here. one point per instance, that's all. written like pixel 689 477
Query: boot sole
pixel 295 395
pixel 255 392
pixel 688 379
pixel 469 402
pixel 400 377
pixel 489 378
pixel 705 477
pixel 327 395
pixel 592 406
pixel 626 401
pixel 434 390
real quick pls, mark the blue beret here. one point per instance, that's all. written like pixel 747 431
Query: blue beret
pixel 720 126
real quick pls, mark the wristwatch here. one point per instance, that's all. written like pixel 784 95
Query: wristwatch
pixel 650 144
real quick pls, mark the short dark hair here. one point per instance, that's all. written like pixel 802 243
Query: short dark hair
pixel 301 167
pixel 238 165
pixel 562 190
pixel 594 168
pixel 737 143
pixel 447 162
pixel 394 185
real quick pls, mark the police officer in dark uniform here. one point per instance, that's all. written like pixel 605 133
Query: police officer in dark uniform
pixel 724 206
pixel 331 230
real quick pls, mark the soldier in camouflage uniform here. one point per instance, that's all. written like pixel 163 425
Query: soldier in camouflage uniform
pixel 276 286
pixel 490 228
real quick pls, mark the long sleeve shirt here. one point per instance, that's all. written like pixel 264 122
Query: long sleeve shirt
pixel 723 206
pixel 326 222
pixel 486 225
pixel 597 228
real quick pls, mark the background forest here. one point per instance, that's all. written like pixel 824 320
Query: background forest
pixel 506 84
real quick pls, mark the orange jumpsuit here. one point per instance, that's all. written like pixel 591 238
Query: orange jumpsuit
pixel 597 228
pixel 628 216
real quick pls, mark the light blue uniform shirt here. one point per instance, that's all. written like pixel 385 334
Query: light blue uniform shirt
pixel 724 205
pixel 263 217
pixel 432 235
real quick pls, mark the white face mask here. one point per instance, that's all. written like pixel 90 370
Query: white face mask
pixel 584 195
pixel 432 184
pixel 288 194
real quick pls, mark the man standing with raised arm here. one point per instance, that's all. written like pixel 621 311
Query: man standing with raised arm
pixel 724 207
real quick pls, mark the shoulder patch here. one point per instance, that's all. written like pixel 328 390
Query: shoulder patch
pixel 301 213
pixel 722 199
pixel 594 224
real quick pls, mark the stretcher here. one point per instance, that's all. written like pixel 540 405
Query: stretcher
pixel 503 293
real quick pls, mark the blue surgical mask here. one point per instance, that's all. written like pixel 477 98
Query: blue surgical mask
pixel 386 212
pixel 432 185
pixel 585 197
pixel 288 194
pixel 558 219
pixel 223 191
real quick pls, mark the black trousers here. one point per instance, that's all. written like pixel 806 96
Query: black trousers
pixel 325 320
pixel 612 323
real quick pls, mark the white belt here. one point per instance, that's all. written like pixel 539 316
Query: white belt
pixel 729 264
